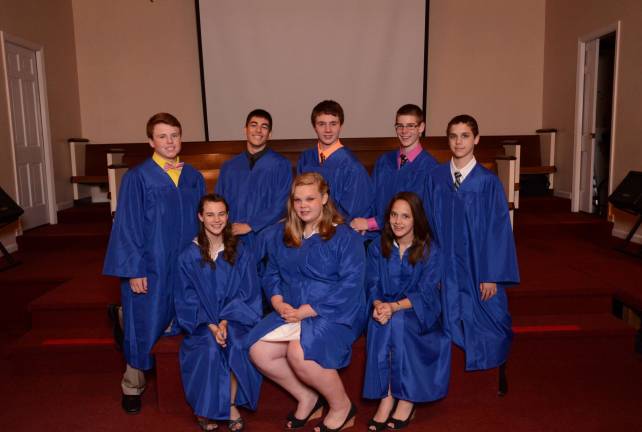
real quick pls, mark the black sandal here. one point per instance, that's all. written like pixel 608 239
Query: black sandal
pixel 236 425
pixel 296 423
pixel 351 415
pixel 379 426
pixel 401 424
pixel 206 424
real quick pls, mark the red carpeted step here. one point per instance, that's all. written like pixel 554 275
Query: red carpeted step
pixel 65 350
pixel 85 212
pixel 524 301
pixel 80 302
pixel 571 326
pixel 89 235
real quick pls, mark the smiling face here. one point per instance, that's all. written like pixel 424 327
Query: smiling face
pixel 402 222
pixel 214 218
pixel 409 129
pixel 308 203
pixel 462 142
pixel 328 128
pixel 166 141
pixel 257 132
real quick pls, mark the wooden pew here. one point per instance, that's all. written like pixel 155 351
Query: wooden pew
pixel 538 155
pixel 88 174
pixel 208 157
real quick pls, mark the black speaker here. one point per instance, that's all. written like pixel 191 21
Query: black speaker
pixel 9 210
pixel 628 195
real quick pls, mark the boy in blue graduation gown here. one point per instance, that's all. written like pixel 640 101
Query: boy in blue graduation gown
pixel 403 170
pixel 350 186
pixel 255 183
pixel 218 301
pixel 469 215
pixel 155 220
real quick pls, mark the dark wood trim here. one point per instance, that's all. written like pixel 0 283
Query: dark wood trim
pixel 197 10
pixel 424 97
pixel 77 140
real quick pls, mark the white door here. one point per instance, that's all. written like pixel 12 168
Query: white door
pixel 588 125
pixel 22 76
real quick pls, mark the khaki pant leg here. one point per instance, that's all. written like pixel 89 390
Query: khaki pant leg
pixel 133 382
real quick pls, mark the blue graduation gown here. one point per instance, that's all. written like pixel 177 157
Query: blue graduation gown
pixel 256 196
pixel 205 296
pixel 327 275
pixel 410 354
pixel 154 222
pixel 350 185
pixel 472 225
pixel 389 180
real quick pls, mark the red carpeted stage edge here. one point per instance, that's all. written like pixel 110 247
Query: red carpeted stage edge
pixel 572 366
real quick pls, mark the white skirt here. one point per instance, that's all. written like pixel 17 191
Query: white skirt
pixel 284 333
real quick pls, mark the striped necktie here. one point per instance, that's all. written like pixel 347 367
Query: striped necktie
pixel 403 159
pixel 322 158
pixel 457 180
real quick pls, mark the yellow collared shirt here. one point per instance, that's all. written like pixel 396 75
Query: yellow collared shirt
pixel 174 173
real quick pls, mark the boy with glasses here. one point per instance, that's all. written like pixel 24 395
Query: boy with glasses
pixel 402 170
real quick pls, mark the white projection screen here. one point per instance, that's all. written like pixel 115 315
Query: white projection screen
pixel 287 55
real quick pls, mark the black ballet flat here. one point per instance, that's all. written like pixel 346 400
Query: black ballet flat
pixel 401 424
pixel 349 419
pixel 296 423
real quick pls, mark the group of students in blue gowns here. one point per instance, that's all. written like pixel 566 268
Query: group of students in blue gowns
pixel 440 253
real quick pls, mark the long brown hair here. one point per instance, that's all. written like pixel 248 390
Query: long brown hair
pixel 229 240
pixel 421 230
pixel 329 216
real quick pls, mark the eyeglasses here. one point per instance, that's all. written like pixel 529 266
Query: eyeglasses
pixel 409 126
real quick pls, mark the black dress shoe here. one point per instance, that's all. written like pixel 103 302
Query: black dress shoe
pixel 131 404
pixel 117 331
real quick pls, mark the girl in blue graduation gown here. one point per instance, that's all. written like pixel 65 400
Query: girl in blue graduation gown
pixel 408 354
pixel 217 303
pixel 314 279
pixel 472 225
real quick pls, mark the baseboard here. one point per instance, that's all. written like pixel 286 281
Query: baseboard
pixel 65 205
pixel 562 194
pixel 620 233
pixel 11 247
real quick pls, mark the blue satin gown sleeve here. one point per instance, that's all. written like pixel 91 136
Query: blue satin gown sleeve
pixel 373 290
pixel 275 208
pixel 424 295
pixel 345 305
pixel 125 253
pixel 244 306
pixel 186 298
pixel 497 256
